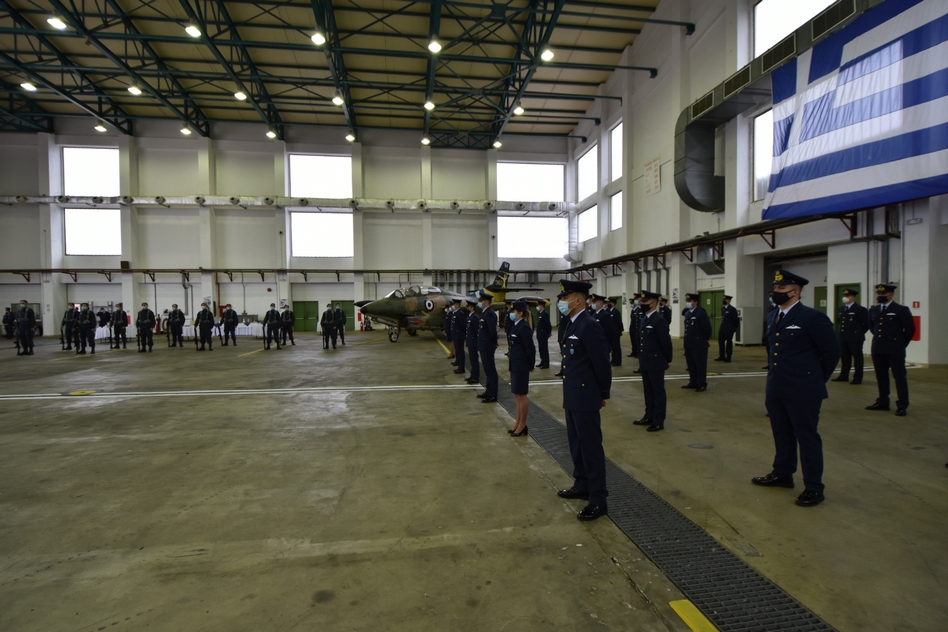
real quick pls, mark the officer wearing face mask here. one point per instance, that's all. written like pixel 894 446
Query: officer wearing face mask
pixel 892 329
pixel 230 320
pixel 176 325
pixel 606 321
pixel 145 324
pixel 69 325
pixel 271 323
pixel 853 320
pixel 634 324
pixel 86 325
pixel 655 356
pixel 697 334
pixel 25 323
pixel 204 323
pixel 804 351
pixel 458 326
pixel 665 310
pixel 730 323
pixel 286 325
pixel 486 346
pixel 119 324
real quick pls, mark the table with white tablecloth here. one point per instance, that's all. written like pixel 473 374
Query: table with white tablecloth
pixel 253 329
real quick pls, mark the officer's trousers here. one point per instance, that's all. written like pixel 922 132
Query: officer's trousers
pixel 26 338
pixel 794 421
pixel 287 331
pixel 543 346
pixel 230 332
pixel 118 333
pixel 584 432
pixel 459 354
pixel 656 402
pixel 177 335
pixel 851 355
pixel 206 337
pixel 273 335
pixel 634 337
pixel 87 337
pixel 616 346
pixel 68 333
pixel 697 361
pixel 490 371
pixel 475 367
pixel 726 343
pixel 146 337
pixel 883 362
pixel 341 330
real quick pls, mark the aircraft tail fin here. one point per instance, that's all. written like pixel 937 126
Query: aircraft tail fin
pixel 498 289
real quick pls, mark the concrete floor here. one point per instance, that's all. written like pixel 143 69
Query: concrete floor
pixel 368 505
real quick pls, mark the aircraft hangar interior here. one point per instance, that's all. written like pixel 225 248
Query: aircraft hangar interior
pixel 304 188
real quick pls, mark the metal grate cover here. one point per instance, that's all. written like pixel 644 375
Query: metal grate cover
pixel 734 596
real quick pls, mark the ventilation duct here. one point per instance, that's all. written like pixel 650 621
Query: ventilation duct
pixel 706 258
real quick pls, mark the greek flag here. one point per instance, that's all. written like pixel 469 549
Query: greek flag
pixel 861 120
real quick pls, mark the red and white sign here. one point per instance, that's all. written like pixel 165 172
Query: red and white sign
pixel 916 304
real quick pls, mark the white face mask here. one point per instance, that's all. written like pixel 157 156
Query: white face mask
pixel 847 300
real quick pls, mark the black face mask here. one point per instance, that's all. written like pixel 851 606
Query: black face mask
pixel 882 299
pixel 780 298
pixel 724 303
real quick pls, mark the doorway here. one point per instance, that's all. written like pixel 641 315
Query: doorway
pixel 711 301
pixel 819 298
pixel 307 315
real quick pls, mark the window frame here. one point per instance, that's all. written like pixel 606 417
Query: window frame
pixel 613 176
pixel 292 244
pixel 289 173
pixel 565 243
pixel 66 213
pixel 579 196
pixel 612 210
pixel 753 117
pixel 561 165
pixel 62 169
pixel 594 209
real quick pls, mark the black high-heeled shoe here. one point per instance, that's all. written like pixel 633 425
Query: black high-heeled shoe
pixel 523 433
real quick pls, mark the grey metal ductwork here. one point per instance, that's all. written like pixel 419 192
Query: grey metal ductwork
pixel 575 249
pixel 695 181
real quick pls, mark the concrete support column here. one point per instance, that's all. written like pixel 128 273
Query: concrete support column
pixel 128 165
pixel 207 165
pixel 490 164
pixel 427 234
pixel 132 297
pixel 51 243
pixel 207 217
pixel 281 181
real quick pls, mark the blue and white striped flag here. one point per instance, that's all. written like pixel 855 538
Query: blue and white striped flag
pixel 861 120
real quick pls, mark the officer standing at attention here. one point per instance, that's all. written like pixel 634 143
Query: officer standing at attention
pixel 586 386
pixel 204 322
pixel 230 320
pixel 86 325
pixel 892 329
pixel 25 323
pixel 604 317
pixel 634 324
pixel 523 358
pixel 457 323
pixel 145 324
pixel 449 331
pixel 804 351
pixel 69 325
pixel 176 325
pixel 544 331
pixel 730 323
pixel 328 325
pixel 665 311
pixel 486 345
pixel 119 324
pixel 697 334
pixel 9 320
pixel 473 324
pixel 655 356
pixel 853 322
pixel 271 323
pixel 560 333
pixel 289 320
pixel 616 342
pixel 340 317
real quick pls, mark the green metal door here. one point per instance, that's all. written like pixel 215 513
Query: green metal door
pixel 819 298
pixel 711 302
pixel 307 315
pixel 838 297
pixel 348 307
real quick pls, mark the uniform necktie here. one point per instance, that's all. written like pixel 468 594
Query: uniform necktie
pixel 779 319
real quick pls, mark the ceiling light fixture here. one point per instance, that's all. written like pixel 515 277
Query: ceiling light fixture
pixel 518 110
pixel 134 90
pixel 271 134
pixel 186 131
pixel 546 55
pixel 192 30
pixel 350 137
pixel 338 100
pixel 434 46
pixel 56 23
pixel 425 141
pixel 429 105
pixel 498 144
pixel 29 87
pixel 318 38
pixel 101 128
pixel 240 96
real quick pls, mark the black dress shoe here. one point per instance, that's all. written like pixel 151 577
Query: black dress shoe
pixel 726 360
pixel 877 406
pixel 522 433
pixel 644 421
pixel 572 492
pixel 655 428
pixel 482 395
pixel 543 367
pixel 591 512
pixel 489 400
pixel 560 374
pixel 690 385
pixel 701 389
pixel 637 371
pixel 899 412
pixel 719 359
pixel 810 499
pixel 460 371
pixel 856 382
pixel 631 355
pixel 771 480
pixel 765 368
pixel 841 378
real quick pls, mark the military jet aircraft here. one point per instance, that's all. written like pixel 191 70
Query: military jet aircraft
pixel 419 308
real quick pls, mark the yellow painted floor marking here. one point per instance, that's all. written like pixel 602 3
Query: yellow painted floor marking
pixel 693 617
pixel 368 342
pixel 443 346
pixel 81 392
pixel 250 352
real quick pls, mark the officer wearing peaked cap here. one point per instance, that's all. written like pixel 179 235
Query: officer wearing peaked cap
pixel 604 317
pixel 853 322
pixel 473 324
pixel 458 325
pixel 697 333
pixel 730 323
pixel 892 329
pixel 804 351
pixel 587 381
pixel 655 355
pixel 486 346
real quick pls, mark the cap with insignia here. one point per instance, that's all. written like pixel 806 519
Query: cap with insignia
pixel 568 286
pixel 664 299
pixel 521 306
pixel 728 297
pixel 885 288
pixel 457 300
pixel 482 295
pixel 598 297
pixel 647 296
pixel 849 292
pixel 785 277
pixel 692 297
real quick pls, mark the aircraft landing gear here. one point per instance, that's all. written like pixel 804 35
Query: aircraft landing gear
pixel 393 333
pixel 412 332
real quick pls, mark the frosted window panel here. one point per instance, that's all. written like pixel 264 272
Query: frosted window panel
pixel 615 140
pixel 615 210
pixel 322 235
pixel 93 231
pixel 587 174
pixel 776 19
pixel 588 224
pixel 524 182
pixel 763 153
pixel 532 237
pixel 320 176
pixel 91 171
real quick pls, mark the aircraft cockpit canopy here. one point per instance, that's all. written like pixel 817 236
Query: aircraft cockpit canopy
pixel 396 293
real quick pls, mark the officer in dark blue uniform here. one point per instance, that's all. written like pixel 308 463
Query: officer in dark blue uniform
pixel 86 324
pixel 892 329
pixel 655 356
pixel 730 323
pixel 804 351
pixel 473 324
pixel 697 334
pixel 853 322
pixel 271 325
pixel 459 327
pixel 486 345
pixel 340 319
pixel 230 319
pixel 604 317
pixel 616 342
pixel 634 324
pixel 69 325
pixel 8 321
pixel 25 324
pixel 586 385
pixel 145 325
pixel 449 332
pixel 522 354
pixel 119 325
pixel 665 310
pixel 544 332
pixel 286 325
pixel 204 322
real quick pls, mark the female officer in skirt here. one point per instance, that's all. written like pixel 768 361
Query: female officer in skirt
pixel 523 357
